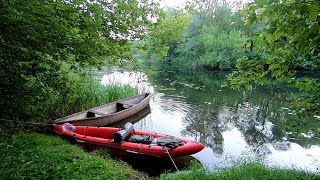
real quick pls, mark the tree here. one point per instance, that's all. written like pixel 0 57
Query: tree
pixel 290 43
pixel 223 39
pixel 37 39
pixel 167 33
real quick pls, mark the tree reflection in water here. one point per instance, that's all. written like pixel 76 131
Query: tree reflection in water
pixel 205 126
pixel 254 113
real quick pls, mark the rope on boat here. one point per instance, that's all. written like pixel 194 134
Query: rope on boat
pixel 34 123
pixel 172 159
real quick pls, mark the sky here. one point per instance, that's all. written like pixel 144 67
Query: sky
pixel 180 3
pixel 172 3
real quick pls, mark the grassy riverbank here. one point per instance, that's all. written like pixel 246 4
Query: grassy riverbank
pixel 39 156
pixel 26 155
pixel 253 170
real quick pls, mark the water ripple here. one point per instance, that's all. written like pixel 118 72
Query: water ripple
pixel 175 106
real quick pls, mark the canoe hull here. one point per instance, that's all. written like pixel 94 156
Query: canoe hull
pixel 111 114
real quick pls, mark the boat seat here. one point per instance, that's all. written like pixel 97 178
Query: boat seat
pixel 123 106
pixel 92 113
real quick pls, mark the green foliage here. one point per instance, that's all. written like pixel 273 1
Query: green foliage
pixel 222 45
pixel 44 44
pixel 75 93
pixel 289 42
pixel 215 37
pixel 167 33
pixel 68 91
pixel 81 31
pixel 37 156
pixel 223 37
pixel 193 47
pixel 243 171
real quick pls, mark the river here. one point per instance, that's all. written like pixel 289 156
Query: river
pixel 232 124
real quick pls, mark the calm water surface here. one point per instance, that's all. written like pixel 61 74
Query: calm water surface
pixel 231 124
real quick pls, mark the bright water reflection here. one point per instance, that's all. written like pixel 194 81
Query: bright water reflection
pixel 232 124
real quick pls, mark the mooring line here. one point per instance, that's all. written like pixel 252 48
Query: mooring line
pixel 34 123
pixel 172 159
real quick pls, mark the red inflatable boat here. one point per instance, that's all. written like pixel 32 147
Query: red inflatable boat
pixel 127 141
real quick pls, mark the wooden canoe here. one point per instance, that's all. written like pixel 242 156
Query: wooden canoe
pixel 108 113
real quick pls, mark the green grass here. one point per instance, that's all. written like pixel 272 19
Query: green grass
pixel 38 156
pixel 245 171
pixel 68 93
pixel 84 94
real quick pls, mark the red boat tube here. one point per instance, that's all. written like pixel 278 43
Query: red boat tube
pixel 117 140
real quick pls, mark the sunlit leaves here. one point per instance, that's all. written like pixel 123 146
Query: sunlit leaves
pixel 314 12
